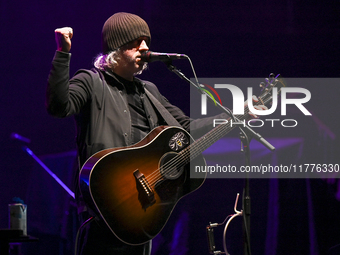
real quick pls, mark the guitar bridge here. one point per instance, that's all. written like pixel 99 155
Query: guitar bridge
pixel 146 195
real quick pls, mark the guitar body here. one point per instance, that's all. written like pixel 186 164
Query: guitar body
pixel 135 189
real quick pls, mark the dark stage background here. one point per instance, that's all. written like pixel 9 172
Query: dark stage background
pixel 223 39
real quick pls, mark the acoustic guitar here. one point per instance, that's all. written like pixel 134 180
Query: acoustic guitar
pixel 135 189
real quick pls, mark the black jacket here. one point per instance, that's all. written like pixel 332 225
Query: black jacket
pixel 101 111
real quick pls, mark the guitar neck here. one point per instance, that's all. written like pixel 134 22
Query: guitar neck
pixel 210 138
pixel 213 136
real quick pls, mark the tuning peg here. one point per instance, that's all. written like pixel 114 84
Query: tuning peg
pixel 262 85
pixel 271 76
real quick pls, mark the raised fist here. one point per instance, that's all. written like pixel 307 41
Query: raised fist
pixel 63 38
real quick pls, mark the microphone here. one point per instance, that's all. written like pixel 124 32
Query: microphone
pixel 150 56
pixel 20 138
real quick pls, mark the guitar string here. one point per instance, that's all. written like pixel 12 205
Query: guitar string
pixel 168 166
pixel 186 155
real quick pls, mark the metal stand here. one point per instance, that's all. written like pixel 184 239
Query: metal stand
pixel 246 135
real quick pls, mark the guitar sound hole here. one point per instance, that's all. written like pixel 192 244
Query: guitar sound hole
pixel 169 166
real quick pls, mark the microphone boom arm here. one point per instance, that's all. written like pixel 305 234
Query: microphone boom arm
pixel 247 129
pixel 173 69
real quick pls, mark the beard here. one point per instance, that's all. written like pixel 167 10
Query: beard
pixel 133 63
pixel 144 67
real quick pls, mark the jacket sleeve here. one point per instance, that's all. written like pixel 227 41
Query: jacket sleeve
pixel 65 97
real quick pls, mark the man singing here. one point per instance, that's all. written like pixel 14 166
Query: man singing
pixel 112 108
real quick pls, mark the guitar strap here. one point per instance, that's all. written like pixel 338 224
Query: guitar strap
pixel 161 109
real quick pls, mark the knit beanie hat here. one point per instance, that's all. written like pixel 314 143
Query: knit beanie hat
pixel 122 28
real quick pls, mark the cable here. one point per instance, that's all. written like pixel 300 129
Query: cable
pixel 212 225
pixel 78 234
pixel 237 213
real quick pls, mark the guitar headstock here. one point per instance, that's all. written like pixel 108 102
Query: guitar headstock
pixel 268 91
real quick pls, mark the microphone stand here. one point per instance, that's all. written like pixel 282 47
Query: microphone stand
pixel 246 134
pixel 247 129
pixel 246 206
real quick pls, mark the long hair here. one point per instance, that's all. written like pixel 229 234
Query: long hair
pixel 110 61
pixel 107 61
